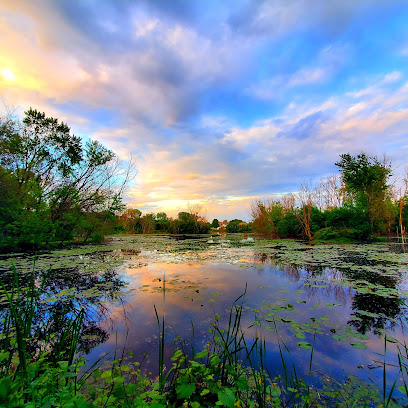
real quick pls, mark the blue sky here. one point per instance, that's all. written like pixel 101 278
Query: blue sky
pixel 219 102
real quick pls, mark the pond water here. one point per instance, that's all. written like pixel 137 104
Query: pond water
pixel 337 301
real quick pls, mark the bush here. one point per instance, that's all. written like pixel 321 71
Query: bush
pixel 97 238
pixel 289 227
pixel 326 234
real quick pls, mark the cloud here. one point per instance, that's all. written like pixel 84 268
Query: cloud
pixel 306 127
pixel 329 61
pixel 117 54
pixel 218 102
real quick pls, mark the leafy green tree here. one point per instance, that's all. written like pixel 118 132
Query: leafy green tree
pixel 366 182
pixel 289 226
pixel 215 223
pixel 162 222
pixel 188 223
pixel 185 216
pixel 52 180
pixel 233 226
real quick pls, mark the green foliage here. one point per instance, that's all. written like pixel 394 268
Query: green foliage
pixel 266 216
pixel 366 181
pixel 186 223
pixel 289 226
pixel 162 222
pixel 237 226
pixel 363 174
pixel 367 207
pixel 215 223
pixel 53 185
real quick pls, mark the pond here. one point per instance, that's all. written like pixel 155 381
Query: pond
pixel 326 309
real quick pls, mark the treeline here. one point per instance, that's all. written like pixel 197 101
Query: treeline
pixel 356 204
pixel 192 221
pixel 54 186
pixel 132 221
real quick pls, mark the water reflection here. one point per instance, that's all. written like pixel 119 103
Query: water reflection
pixel 65 292
pixel 371 311
pixel 376 313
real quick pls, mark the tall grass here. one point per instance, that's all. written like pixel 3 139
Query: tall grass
pixel 161 345
pixel 34 369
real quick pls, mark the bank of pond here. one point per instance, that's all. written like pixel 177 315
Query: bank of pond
pixel 235 321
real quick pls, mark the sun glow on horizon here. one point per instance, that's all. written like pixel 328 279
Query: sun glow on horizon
pixel 8 75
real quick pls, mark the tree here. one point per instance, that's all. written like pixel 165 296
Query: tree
pixel 130 219
pixel 199 214
pixel 366 183
pixel 304 214
pixel 53 180
pixel 265 216
pixel 215 223
pixel 148 223
pixel 233 226
pixel 332 192
pixel 162 222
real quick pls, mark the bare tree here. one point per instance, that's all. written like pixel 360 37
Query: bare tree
pixel 288 203
pixel 332 192
pixel 305 198
pixel 199 213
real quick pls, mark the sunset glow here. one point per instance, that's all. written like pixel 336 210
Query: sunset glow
pixel 8 75
pixel 220 103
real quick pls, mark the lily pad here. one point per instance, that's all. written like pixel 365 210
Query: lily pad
pixel 358 345
pixel 338 337
pixel 304 345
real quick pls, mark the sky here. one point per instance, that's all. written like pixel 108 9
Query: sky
pixel 218 102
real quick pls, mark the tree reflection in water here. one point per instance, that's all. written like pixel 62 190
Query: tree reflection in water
pixel 65 292
pixel 371 311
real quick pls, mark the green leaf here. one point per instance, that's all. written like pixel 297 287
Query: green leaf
pixel 176 355
pixel 5 387
pixel 226 397
pixel 242 383
pixel 106 374
pixel 202 354
pixel 402 389
pixel 185 390
pixel 4 356
pixel 274 390
pixel 358 345
pixel 304 345
pixel 339 338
